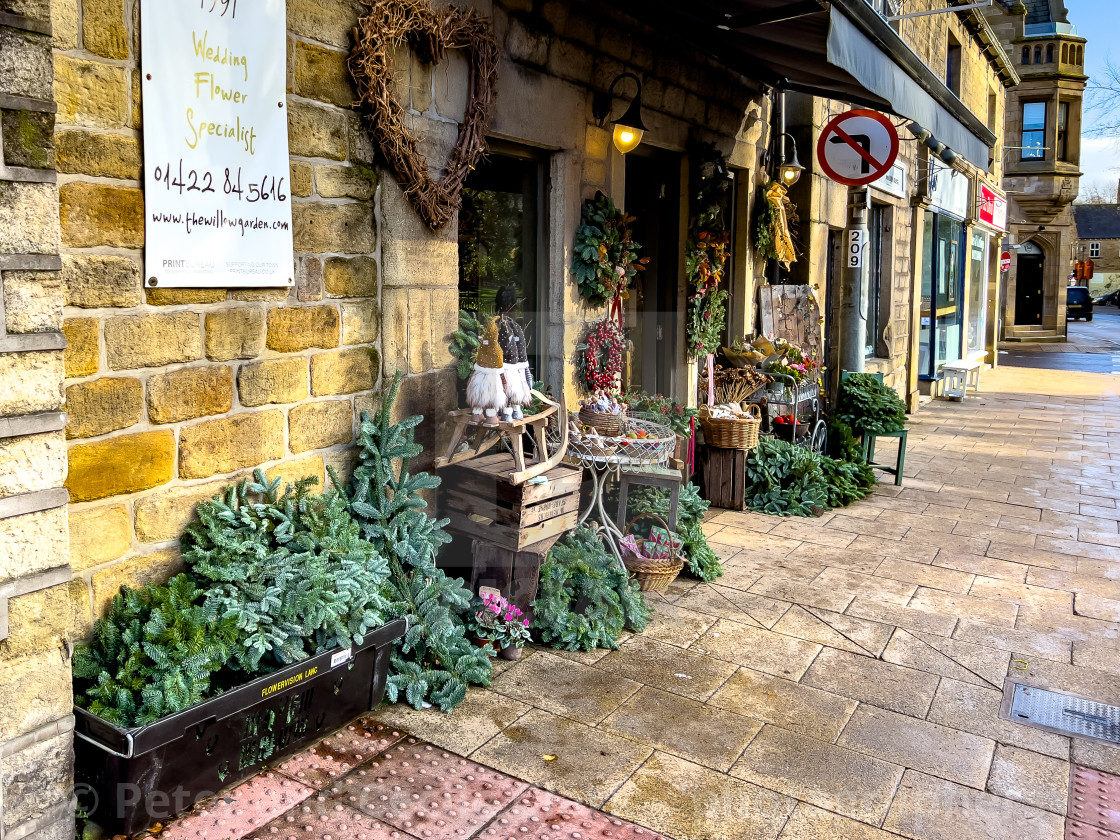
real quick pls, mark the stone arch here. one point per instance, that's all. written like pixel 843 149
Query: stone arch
pixel 1026 56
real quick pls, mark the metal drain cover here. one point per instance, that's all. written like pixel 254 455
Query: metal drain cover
pixel 1064 714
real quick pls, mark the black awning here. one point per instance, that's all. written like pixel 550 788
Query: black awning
pixel 841 49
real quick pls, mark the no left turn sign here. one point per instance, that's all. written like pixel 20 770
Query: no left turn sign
pixel 857 147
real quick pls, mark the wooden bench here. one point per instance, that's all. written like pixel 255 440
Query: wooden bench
pixel 959 376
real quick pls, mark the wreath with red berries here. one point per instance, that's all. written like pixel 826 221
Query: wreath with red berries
pixel 602 356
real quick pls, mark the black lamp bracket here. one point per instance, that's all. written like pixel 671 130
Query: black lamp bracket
pixel 602 102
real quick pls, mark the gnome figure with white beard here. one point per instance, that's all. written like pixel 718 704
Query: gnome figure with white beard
pixel 486 393
pixel 511 338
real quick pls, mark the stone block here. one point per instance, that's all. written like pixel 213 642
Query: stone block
pixel 317 131
pixel 344 372
pixel 309 466
pixel 356 277
pixel 183 297
pixel 28 218
pixel 273 381
pixel 419 330
pixel 318 425
pixel 164 515
pixel 30 382
pixel 322 74
pixel 232 443
pixel 103 405
pixel 152 340
pixel 98 535
pixel 100 214
pixel 44 620
pixel 292 329
pixel 136 118
pixel 33 543
pixel 333 228
pixel 394 342
pixel 597 143
pixel 301 180
pixel 451 81
pixel 95 281
pixel 360 322
pixel 120 465
pixel 32 462
pixel 409 250
pixel 103 28
pixel 526 46
pixel 309 279
pixel 66 21
pixel 90 93
pixel 32 301
pixel 157 567
pixel 360 143
pixel 37 778
pixel 328 21
pixel 358 182
pixel 259 295
pixel 103 155
pixel 190 392
pixel 25 64
pixel 234 334
pixel 445 320
pixel 83 354
pixel 38 689
pixel 28 139
pixel 419 83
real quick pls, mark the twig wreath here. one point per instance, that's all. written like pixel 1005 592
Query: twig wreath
pixel 389 25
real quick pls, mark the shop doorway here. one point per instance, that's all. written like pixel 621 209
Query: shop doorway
pixel 653 198
pixel 1028 287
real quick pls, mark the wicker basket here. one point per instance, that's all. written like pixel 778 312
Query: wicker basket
pixel 607 425
pixel 731 433
pixel 652 574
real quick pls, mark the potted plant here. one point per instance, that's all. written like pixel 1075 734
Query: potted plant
pixel 502 624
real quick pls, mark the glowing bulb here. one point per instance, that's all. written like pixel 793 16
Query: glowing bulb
pixel 626 139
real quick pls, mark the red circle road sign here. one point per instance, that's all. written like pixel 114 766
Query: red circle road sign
pixel 1005 261
pixel 857 147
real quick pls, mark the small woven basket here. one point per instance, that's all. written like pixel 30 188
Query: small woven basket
pixel 652 574
pixel 607 425
pixel 731 433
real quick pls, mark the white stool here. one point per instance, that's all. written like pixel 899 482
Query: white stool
pixel 959 376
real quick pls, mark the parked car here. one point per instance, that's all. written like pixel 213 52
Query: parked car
pixel 1079 303
pixel 1108 299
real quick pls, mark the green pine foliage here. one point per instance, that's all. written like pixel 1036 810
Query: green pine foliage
pixel 700 560
pixel 586 599
pixel 291 570
pixel 465 342
pixel 152 655
pixel 434 662
pixel 869 406
pixel 787 480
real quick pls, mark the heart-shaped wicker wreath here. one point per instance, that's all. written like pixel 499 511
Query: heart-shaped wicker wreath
pixel 389 25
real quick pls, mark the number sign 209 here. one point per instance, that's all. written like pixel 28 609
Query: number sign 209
pixel 857 240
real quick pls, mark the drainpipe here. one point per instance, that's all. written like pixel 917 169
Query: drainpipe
pixel 853 315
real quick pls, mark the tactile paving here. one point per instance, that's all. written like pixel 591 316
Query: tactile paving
pixel 244 809
pixel 1094 800
pixel 1081 831
pixel 538 814
pixel 335 756
pixel 319 818
pixel 427 792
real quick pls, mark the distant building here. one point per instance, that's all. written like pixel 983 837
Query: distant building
pixel 1041 162
pixel 1098 239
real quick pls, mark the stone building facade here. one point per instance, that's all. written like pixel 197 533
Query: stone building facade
pixel 1098 239
pixel 1041 165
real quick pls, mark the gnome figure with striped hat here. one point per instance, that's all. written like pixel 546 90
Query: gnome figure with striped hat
pixel 515 357
pixel 486 393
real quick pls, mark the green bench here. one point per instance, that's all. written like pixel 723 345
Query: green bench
pixel 869 441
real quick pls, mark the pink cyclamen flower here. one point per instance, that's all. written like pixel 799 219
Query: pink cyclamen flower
pixel 526 622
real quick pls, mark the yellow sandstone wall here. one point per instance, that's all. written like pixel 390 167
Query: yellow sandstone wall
pixel 174 393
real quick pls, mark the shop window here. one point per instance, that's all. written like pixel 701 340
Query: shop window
pixel 1062 144
pixel 1094 249
pixel 977 293
pixel 940 336
pixel 501 244
pixel 1049 53
pixel 875 254
pixel 1034 131
pixel 993 109
pixel 953 65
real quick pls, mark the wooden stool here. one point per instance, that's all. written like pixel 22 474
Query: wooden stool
pixel 900 461
pixel 651 477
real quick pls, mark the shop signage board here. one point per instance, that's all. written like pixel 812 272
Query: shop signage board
pixel 217 200
pixel 949 191
pixel 992 209
pixel 894 181
pixel 857 147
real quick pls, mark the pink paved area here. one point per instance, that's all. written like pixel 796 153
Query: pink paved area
pixel 371 782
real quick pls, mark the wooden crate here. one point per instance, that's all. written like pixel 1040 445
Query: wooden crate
pixel 515 574
pixel 722 475
pixel 517 517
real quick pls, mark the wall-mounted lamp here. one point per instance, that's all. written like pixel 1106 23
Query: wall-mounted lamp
pixel 925 136
pixel 789 170
pixel 629 128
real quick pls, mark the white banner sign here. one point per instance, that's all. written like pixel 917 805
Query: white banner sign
pixel 217 199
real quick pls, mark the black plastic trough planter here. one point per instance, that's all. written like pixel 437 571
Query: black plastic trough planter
pixel 129 779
